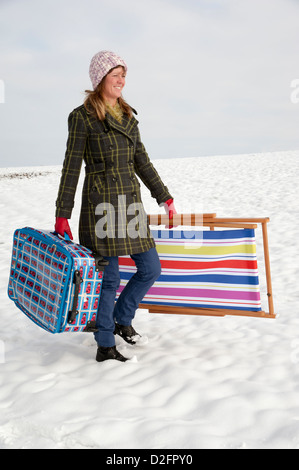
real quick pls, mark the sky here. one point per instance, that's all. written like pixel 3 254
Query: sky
pixel 207 77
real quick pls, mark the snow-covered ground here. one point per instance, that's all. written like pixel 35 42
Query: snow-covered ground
pixel 199 382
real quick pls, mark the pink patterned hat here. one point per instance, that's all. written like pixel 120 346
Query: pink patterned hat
pixel 101 64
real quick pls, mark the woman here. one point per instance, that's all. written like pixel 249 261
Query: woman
pixel 104 133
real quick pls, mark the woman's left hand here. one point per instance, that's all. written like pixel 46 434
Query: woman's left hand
pixel 170 210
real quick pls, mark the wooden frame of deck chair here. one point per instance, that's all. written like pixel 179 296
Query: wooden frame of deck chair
pixel 208 272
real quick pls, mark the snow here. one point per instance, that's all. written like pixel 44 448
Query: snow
pixel 196 382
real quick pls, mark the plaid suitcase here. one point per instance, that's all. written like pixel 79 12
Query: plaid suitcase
pixel 55 282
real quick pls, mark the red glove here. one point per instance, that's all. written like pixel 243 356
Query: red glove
pixel 170 210
pixel 62 226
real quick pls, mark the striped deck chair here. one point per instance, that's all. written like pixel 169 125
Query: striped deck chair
pixel 205 272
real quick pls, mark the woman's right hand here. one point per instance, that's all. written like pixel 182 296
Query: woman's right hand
pixel 62 227
pixel 170 211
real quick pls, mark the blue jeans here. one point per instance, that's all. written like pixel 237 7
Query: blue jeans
pixel 123 311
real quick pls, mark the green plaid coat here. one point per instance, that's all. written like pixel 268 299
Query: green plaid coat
pixel 112 219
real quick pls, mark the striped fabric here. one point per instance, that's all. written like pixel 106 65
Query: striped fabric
pixel 208 269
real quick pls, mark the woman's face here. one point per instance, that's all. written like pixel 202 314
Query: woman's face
pixel 113 85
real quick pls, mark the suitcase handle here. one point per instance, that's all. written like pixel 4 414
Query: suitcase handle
pixel 74 312
pixel 100 262
pixel 66 237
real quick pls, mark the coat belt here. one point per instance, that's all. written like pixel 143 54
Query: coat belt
pixel 95 168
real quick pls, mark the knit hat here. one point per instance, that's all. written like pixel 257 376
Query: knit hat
pixel 101 64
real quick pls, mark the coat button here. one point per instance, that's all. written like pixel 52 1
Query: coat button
pixel 134 194
pixel 114 179
pixel 110 147
pixel 131 162
pixel 94 188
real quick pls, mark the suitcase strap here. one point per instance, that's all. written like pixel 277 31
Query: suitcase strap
pixel 74 312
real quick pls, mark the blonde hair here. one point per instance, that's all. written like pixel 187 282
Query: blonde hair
pixel 95 105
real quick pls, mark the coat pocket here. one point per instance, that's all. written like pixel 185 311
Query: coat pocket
pixel 94 182
pixel 95 189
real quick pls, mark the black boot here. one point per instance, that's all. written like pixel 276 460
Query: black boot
pixel 127 333
pixel 109 353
